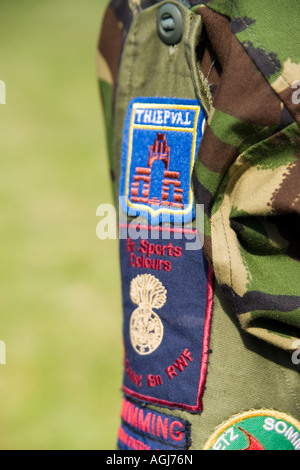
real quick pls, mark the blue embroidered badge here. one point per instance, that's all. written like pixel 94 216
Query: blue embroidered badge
pixel 145 429
pixel 167 304
pixel 160 141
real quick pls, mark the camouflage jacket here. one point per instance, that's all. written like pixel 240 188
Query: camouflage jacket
pixel 240 59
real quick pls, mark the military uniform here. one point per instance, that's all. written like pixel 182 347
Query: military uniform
pixel 202 108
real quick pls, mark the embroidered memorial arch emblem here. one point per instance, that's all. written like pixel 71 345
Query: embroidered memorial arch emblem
pixel 160 142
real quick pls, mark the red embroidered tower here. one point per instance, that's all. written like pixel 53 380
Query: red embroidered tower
pixel 168 188
pixel 159 151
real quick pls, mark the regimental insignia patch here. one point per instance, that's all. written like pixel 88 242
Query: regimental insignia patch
pixel 167 288
pixel 257 430
pixel 160 141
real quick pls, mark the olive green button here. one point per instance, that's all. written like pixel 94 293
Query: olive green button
pixel 169 24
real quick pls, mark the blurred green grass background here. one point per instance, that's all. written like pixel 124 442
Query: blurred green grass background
pixel 60 307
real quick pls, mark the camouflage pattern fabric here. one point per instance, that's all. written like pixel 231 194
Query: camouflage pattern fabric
pixel 247 172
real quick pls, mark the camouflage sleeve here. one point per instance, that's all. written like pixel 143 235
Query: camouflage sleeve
pixel 108 58
pixel 248 168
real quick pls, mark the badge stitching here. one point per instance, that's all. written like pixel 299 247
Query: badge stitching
pixel 160 128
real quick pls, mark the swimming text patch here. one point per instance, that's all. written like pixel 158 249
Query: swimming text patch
pixel 160 141
pixel 145 429
pixel 257 430
pixel 167 304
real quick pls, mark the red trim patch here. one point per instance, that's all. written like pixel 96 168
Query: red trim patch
pixel 145 429
pixel 168 303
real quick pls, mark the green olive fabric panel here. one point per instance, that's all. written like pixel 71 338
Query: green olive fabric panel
pixel 156 73
pixel 243 374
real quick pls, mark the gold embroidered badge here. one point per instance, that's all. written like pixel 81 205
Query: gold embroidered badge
pixel 146 328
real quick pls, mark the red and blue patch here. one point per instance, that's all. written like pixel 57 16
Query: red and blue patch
pixel 160 141
pixel 167 304
pixel 145 429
